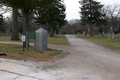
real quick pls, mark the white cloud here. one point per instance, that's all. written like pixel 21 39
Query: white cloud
pixel 72 9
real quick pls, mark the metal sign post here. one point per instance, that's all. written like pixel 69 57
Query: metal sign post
pixel 23 40
pixel 31 35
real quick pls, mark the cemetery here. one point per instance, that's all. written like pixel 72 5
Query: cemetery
pixel 36 51
pixel 52 40
pixel 104 40
pixel 16 52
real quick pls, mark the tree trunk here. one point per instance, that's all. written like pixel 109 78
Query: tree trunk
pixel 91 29
pixel 103 30
pixel 86 31
pixel 51 32
pixel 15 35
pixel 25 23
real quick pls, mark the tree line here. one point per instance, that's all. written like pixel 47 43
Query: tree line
pixel 94 15
pixel 50 13
pixel 105 17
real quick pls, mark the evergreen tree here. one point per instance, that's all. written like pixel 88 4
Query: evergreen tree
pixel 53 16
pixel 27 7
pixel 91 13
pixel 1 21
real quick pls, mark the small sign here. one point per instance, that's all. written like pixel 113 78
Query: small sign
pixel 31 35
pixel 23 38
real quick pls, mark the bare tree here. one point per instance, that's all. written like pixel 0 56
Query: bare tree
pixel 71 27
pixel 112 15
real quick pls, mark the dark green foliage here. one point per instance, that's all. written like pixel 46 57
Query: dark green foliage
pixel 42 8
pixel 27 6
pixel 1 19
pixel 21 29
pixel 1 22
pixel 52 15
pixel 91 14
pixel 21 4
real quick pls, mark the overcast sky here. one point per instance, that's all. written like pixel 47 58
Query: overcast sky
pixel 72 7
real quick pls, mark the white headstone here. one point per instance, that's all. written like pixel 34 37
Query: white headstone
pixel 109 36
pixel 118 34
pixel 97 35
pixel 41 39
pixel 84 33
pixel 113 35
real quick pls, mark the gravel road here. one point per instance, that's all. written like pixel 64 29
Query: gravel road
pixel 82 60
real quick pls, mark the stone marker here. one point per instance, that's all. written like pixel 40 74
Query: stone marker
pixel 113 36
pixel 41 39
pixel 118 35
pixel 109 36
pixel 97 35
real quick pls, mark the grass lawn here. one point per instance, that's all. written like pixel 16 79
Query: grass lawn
pixel 58 40
pixel 104 41
pixel 6 38
pixel 16 52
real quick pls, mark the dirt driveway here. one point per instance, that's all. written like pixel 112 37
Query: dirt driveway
pixel 82 60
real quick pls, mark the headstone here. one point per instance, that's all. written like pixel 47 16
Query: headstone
pixel 41 39
pixel 118 34
pixel 84 33
pixel 113 36
pixel 97 35
pixel 109 36
pixel 103 33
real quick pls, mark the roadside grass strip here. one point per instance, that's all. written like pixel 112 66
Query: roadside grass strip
pixel 58 40
pixel 103 41
pixel 16 52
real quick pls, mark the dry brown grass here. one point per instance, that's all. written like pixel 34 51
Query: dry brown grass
pixel 16 52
